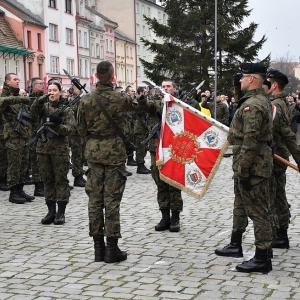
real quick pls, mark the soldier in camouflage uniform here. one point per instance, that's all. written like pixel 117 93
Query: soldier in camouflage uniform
pixel 53 155
pixel 284 145
pixel 222 110
pixel 251 133
pixel 15 140
pixel 168 197
pixel 37 90
pixel 106 156
pixel 77 144
pixel 141 131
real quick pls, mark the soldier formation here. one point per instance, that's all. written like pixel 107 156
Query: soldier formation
pixel 104 128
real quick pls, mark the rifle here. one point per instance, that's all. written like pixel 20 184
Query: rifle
pixel 192 91
pixel 22 114
pixel 154 131
pixel 45 131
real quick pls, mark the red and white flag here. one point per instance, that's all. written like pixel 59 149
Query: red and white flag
pixel 191 147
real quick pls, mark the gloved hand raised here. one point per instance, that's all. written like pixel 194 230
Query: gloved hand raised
pixel 43 99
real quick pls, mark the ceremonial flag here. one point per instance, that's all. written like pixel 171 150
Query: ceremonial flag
pixel 191 147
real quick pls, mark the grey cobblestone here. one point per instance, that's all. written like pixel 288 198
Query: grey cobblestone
pixel 56 262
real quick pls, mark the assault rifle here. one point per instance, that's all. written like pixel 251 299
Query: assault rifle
pixel 45 131
pixel 191 92
pixel 22 114
pixel 155 131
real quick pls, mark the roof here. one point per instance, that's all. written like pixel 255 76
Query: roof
pixel 109 22
pixel 23 13
pixel 8 41
pixel 121 36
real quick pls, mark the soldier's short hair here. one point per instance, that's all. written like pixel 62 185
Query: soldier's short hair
pixel 8 75
pixel 57 84
pixel 140 90
pixel 105 70
pixel 170 80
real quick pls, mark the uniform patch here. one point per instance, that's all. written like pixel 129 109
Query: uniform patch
pixel 246 109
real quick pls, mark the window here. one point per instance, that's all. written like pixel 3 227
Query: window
pixel 54 64
pixel 80 68
pixel 92 50
pixel 85 41
pixel 70 66
pixel 17 67
pixel 102 52
pixel 79 38
pixel 30 69
pixel 164 18
pixel 98 50
pixel 106 45
pixel 39 41
pixel 86 68
pixel 111 46
pixel 138 49
pixel 52 32
pixel 29 42
pixel 68 6
pixel 137 8
pixel 148 9
pixel 137 29
pixel 138 71
pixel 143 30
pixel 159 16
pixel 52 3
pixel 143 9
pixel 81 8
pixel 69 36
pixel 6 66
pixel 131 52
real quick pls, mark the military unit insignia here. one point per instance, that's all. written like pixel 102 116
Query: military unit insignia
pixel 174 117
pixel 211 138
pixel 193 177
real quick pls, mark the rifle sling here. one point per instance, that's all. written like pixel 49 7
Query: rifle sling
pixel 110 120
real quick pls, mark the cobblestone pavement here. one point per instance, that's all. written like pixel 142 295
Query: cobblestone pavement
pixel 56 262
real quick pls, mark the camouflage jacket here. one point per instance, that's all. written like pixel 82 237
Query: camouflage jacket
pixel 141 124
pixel 104 145
pixel 10 112
pixel 222 111
pixel 251 133
pixel 283 137
pixel 56 145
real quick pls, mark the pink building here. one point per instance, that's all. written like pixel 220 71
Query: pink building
pixel 29 29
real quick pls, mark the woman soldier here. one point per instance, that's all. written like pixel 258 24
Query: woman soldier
pixel 53 154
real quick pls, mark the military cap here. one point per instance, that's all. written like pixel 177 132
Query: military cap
pixel 253 68
pixel 273 73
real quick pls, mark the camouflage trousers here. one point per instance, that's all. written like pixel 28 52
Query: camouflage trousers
pixel 141 151
pixel 254 204
pixel 168 197
pixel 278 196
pixel 17 160
pixel 77 145
pixel 35 169
pixel 3 159
pixel 105 187
pixel 54 173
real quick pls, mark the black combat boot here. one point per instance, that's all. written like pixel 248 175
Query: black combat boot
pixel 3 185
pixel 128 173
pixel 60 215
pixel 112 252
pixel 49 218
pixel 282 240
pixel 259 263
pixel 79 181
pixel 14 196
pixel 131 161
pixel 175 221
pixel 234 249
pixel 164 223
pixel 99 246
pixel 141 169
pixel 23 194
pixel 39 189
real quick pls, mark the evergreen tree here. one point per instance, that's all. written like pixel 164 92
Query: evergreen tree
pixel 187 54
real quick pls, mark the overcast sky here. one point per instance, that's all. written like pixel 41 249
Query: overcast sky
pixel 279 20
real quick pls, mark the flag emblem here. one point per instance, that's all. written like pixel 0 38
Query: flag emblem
pixel 211 138
pixel 194 177
pixel 174 117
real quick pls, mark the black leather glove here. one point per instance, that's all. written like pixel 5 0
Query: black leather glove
pixel 245 183
pixel 55 119
pixel 43 99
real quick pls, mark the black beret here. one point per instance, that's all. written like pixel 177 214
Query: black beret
pixel 273 73
pixel 253 68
